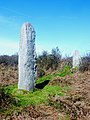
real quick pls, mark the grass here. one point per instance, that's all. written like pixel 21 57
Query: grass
pixel 44 78
pixel 24 98
pixel 36 97
pixel 64 72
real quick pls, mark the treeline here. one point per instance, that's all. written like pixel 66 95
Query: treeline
pixel 85 63
pixel 49 61
pixel 9 60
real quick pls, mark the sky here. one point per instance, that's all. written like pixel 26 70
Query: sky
pixel 62 23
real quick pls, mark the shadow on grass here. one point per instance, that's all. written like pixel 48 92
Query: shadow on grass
pixel 42 85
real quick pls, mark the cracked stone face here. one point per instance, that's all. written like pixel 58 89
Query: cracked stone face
pixel 27 58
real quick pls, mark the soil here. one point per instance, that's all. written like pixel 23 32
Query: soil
pixel 75 103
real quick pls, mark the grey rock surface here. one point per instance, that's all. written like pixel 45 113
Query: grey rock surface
pixel 76 59
pixel 27 58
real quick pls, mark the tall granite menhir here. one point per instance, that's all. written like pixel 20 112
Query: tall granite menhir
pixel 27 58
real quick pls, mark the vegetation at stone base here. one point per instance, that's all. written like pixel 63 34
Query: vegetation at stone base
pixel 16 100
pixel 36 97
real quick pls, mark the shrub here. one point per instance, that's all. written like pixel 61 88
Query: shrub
pixel 9 60
pixel 85 63
pixel 49 61
pixel 40 72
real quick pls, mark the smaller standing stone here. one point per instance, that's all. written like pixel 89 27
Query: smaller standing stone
pixel 76 59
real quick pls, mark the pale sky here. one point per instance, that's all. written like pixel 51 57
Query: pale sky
pixel 62 23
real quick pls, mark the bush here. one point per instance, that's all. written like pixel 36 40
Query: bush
pixel 85 63
pixel 9 60
pixel 49 61
pixel 40 72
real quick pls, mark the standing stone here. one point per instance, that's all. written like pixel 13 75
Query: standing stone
pixel 76 59
pixel 27 58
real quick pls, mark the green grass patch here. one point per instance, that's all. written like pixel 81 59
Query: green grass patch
pixel 24 98
pixel 36 97
pixel 64 72
pixel 44 78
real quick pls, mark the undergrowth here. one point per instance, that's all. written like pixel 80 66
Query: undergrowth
pixel 35 97
pixel 66 71
pixel 38 96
